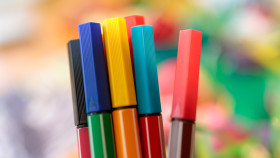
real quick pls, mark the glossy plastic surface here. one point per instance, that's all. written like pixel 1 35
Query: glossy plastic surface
pixel 119 63
pixel 146 78
pixel 101 135
pixel 83 142
pixel 152 137
pixel 96 86
pixel 181 139
pixel 187 74
pixel 132 21
pixel 127 136
pixel 77 84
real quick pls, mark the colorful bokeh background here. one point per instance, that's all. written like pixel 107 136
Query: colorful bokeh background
pixel 239 88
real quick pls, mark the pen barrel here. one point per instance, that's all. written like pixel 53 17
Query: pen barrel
pixel 83 142
pixel 181 139
pixel 126 131
pixel 152 137
pixel 101 135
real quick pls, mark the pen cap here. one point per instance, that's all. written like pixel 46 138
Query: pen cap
pixel 186 76
pixel 78 95
pixel 119 63
pixel 132 21
pixel 96 87
pixel 146 78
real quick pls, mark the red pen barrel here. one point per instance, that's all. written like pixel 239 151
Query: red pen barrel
pixel 152 137
pixel 83 142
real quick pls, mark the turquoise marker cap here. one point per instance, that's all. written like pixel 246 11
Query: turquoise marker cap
pixel 145 68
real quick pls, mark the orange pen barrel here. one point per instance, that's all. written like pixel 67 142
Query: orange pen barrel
pixel 126 130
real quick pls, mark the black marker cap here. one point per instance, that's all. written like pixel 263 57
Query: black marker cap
pixel 78 94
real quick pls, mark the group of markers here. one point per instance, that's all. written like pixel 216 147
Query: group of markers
pixel 115 118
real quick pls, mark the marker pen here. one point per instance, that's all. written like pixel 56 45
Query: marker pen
pixel 181 137
pixel 131 21
pixel 78 96
pixel 147 91
pixel 97 95
pixel 121 81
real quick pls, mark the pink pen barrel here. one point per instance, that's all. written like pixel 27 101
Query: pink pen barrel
pixel 83 142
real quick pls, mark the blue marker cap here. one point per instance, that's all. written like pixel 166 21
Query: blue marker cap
pixel 145 70
pixel 97 94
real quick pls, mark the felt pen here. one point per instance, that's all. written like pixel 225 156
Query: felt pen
pixel 131 21
pixel 147 92
pixel 97 94
pixel 78 96
pixel 181 137
pixel 122 88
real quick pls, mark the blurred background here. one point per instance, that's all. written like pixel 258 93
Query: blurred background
pixel 238 105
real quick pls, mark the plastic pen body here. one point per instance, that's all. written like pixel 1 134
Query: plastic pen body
pixel 101 135
pixel 149 107
pixel 122 88
pixel 127 133
pixel 181 137
pixel 78 96
pixel 97 94
pixel 152 136
pixel 83 142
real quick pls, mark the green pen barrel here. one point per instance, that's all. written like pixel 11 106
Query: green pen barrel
pixel 101 135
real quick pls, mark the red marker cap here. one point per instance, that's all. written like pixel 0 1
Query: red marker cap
pixel 187 74
pixel 131 21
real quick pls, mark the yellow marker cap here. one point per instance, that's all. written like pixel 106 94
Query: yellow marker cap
pixel 119 63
